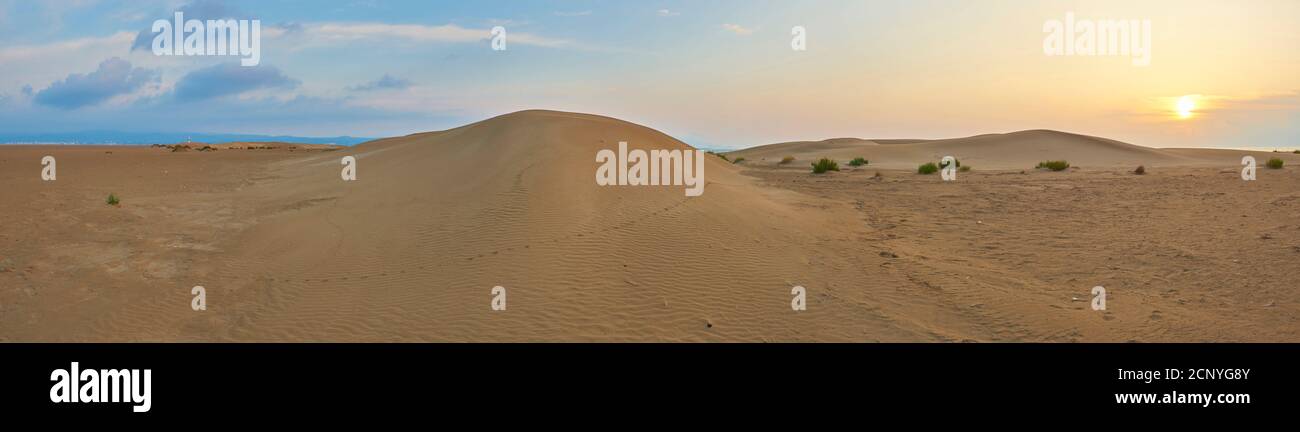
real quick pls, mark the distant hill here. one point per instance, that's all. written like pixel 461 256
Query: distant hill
pixel 1015 150
pixel 127 138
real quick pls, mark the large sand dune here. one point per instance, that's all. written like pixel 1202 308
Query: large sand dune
pixel 411 250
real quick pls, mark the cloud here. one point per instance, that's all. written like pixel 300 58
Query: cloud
pixel 300 115
pixel 228 79
pixel 573 14
pixel 198 9
pixel 1289 101
pixel 27 90
pixel 738 29
pixel 667 13
pixel 113 77
pixel 18 53
pixel 341 32
pixel 386 82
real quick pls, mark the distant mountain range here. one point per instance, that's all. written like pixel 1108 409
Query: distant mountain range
pixel 128 138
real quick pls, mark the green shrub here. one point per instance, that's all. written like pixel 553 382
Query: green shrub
pixel 1296 152
pixel 738 160
pixel 724 157
pixel 927 168
pixel 858 162
pixel 1056 165
pixel 964 168
pixel 1275 163
pixel 112 200
pixel 824 165
pixel 787 159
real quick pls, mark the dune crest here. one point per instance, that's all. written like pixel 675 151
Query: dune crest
pixel 1005 151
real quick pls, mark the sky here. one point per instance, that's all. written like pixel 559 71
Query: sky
pixel 716 74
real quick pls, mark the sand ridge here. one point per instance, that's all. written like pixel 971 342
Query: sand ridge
pixel 1009 151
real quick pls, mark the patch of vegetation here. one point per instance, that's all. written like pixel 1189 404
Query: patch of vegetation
pixel 1056 165
pixel 1141 170
pixel 1296 152
pixel 824 165
pixel 857 161
pixel 112 200
pixel 927 168
pixel 787 159
pixel 738 160
pixel 724 157
pixel 1275 163
pixel 964 168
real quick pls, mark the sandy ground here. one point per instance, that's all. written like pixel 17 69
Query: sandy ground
pixel 411 250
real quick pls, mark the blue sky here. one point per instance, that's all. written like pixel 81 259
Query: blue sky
pixel 713 73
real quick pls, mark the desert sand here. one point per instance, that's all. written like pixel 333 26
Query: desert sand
pixel 410 251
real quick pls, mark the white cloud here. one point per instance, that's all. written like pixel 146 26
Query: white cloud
pixel 450 33
pixel 667 13
pixel 115 42
pixel 40 64
pixel 738 29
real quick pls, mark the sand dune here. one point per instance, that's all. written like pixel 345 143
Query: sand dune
pixel 1010 151
pixel 411 250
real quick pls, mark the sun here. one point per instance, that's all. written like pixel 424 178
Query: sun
pixel 1185 106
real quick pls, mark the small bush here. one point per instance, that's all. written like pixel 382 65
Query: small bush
pixel 787 159
pixel 858 162
pixel 1296 152
pixel 1140 170
pixel 112 200
pixel 927 168
pixel 824 165
pixel 1056 165
pixel 738 160
pixel 724 157
pixel 964 168
pixel 1275 163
